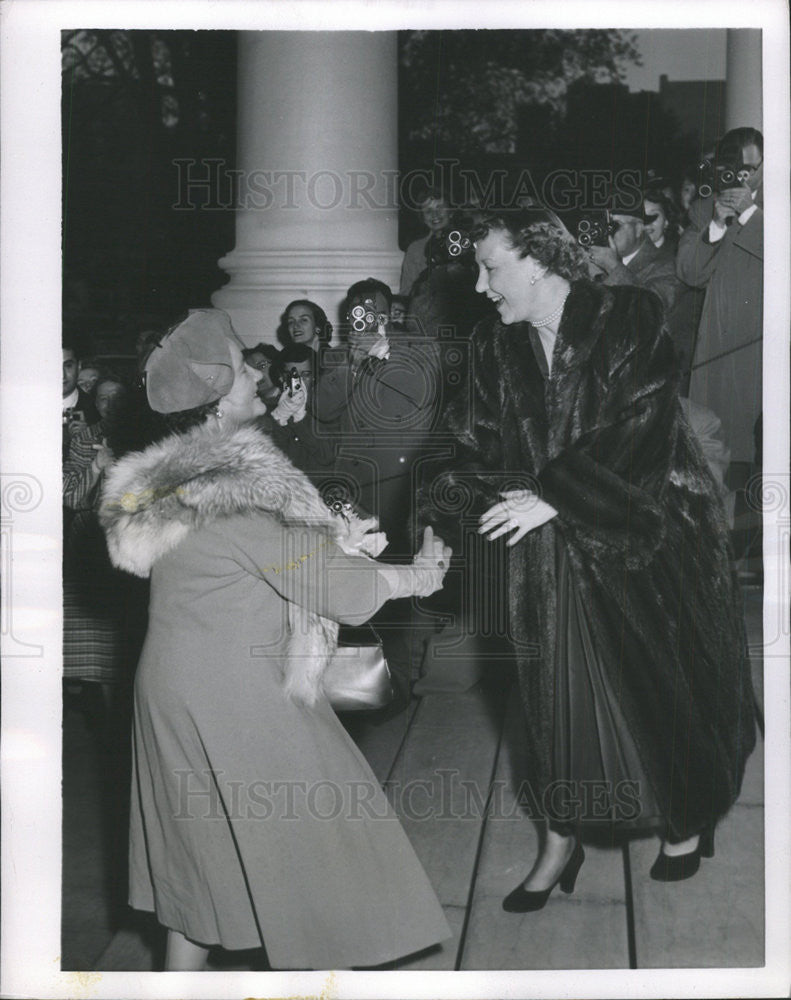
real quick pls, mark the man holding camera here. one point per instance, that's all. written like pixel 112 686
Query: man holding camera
pixel 630 258
pixel 79 409
pixel 378 398
pixel 722 251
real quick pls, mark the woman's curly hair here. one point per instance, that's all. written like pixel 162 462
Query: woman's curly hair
pixel 539 233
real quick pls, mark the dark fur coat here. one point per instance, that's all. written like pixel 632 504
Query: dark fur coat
pixel 604 442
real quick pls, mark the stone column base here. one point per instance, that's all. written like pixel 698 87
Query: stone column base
pixel 263 282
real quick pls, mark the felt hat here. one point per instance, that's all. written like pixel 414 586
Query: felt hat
pixel 192 365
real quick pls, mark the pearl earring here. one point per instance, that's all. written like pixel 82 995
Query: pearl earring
pixel 533 279
pixel 218 412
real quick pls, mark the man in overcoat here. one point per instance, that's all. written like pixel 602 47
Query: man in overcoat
pixel 722 251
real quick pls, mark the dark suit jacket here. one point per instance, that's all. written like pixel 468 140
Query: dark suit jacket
pixel 381 417
pixel 653 268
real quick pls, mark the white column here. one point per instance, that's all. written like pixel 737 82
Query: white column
pixel 317 205
pixel 743 104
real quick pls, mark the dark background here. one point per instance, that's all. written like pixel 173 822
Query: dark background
pixel 134 102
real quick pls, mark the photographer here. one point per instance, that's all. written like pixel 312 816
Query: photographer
pixel 265 359
pixel 79 409
pixel 435 213
pixel 722 251
pixel 630 258
pixel 292 423
pixel 382 396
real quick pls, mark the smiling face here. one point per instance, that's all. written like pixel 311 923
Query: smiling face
pixel 302 327
pixel 105 394
pixel 655 230
pixel 242 402
pixel 262 370
pixel 504 277
pixel 87 378
pixel 435 214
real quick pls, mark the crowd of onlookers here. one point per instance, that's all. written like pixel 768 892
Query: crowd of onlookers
pixel 356 411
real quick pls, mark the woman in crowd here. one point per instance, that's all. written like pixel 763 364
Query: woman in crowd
pixel 88 376
pixel 247 826
pixel 305 322
pixel 265 359
pixel 624 611
pixel 662 219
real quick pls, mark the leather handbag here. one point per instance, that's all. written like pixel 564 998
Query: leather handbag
pixel 357 677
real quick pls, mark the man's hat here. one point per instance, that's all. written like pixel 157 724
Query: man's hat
pixel 192 365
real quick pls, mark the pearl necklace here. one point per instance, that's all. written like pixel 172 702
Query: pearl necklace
pixel 549 320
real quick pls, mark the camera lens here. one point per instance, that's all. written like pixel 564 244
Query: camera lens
pixel 584 225
pixel 454 249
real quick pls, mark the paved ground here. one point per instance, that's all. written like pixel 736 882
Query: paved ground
pixel 475 845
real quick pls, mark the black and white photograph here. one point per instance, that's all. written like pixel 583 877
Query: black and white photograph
pixel 403 610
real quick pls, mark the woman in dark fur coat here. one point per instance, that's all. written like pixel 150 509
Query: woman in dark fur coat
pixel 625 614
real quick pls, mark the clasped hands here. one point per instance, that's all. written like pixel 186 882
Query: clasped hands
pixel 519 511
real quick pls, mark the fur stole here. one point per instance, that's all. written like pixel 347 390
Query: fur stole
pixel 153 499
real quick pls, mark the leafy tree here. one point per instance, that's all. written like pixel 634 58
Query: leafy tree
pixel 463 92
pixel 133 102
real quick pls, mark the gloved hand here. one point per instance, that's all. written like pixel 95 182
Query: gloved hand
pixel 425 575
pixel 362 537
pixel 291 407
pixel 381 346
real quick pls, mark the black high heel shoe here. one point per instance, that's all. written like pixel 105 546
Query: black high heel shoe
pixel 676 868
pixel 522 900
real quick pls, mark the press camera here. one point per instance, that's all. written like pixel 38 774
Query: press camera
pixel 365 318
pixel 594 230
pixel 713 176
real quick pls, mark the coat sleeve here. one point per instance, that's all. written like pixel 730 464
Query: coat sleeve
pixel 80 474
pixel 608 484
pixel 659 277
pixel 303 564
pixel 696 258
pixel 333 386
pixel 467 481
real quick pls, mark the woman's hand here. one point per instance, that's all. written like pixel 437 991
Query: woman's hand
pixel 363 537
pixel 431 563
pixel 433 553
pixel 521 510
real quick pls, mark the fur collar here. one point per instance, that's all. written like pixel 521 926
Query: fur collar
pixel 152 499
